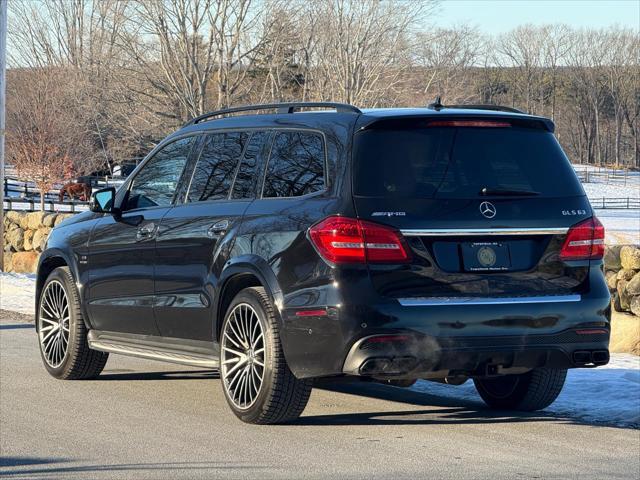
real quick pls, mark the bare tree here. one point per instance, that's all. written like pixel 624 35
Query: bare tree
pixel 363 48
pixel 447 55
pixel 521 51
pixel 43 141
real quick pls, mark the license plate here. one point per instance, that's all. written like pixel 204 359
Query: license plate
pixel 485 257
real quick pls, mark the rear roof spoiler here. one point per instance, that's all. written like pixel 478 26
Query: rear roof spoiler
pixel 400 120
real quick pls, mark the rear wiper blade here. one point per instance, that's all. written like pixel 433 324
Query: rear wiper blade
pixel 506 192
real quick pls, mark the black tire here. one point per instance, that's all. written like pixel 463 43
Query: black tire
pixel 281 397
pixel 79 361
pixel 530 391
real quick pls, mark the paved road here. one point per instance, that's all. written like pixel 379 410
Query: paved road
pixel 152 420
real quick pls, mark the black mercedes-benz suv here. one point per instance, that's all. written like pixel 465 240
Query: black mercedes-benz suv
pixel 282 243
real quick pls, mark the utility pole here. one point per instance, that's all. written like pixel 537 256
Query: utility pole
pixel 3 108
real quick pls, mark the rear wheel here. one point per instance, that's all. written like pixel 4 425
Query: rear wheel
pixel 256 380
pixel 530 391
pixel 62 334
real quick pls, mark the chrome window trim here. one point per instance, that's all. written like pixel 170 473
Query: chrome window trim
pixel 441 232
pixel 442 301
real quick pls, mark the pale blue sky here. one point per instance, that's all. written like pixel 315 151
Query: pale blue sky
pixel 496 16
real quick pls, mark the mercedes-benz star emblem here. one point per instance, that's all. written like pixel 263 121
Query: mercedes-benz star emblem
pixel 488 210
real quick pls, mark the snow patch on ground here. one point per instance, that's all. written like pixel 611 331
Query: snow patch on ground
pixel 621 226
pixel 608 395
pixel 17 292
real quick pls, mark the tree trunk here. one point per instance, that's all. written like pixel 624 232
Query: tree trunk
pixel 42 193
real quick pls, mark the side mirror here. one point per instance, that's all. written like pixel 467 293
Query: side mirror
pixel 102 201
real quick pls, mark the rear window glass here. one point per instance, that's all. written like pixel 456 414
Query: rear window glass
pixel 458 162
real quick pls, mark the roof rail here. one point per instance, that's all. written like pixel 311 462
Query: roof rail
pixel 285 107
pixel 437 105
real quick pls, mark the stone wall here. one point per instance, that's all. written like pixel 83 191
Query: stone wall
pixel 25 235
pixel 622 267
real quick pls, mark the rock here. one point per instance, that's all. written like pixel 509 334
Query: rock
pixel 612 280
pixel 15 238
pixel 34 220
pixel 7 261
pixel 634 305
pixel 24 222
pixel 630 257
pixel 633 287
pixel 612 257
pixel 626 274
pixel 24 262
pixel 13 216
pixel 28 243
pixel 623 296
pixel 615 301
pixel 49 219
pixel 40 238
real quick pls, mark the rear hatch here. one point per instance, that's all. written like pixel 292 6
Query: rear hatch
pixel 484 206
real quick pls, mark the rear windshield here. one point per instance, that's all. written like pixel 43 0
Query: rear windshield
pixel 458 162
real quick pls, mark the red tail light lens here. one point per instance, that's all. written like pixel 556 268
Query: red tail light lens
pixel 585 240
pixel 348 240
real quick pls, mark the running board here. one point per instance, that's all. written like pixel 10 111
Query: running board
pixel 154 348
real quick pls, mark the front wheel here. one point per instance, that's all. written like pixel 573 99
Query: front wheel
pixel 256 380
pixel 530 391
pixel 62 333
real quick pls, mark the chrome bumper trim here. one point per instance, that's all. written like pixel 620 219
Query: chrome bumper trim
pixel 442 301
pixel 441 232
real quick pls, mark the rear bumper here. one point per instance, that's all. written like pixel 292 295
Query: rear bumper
pixel 446 334
pixel 417 356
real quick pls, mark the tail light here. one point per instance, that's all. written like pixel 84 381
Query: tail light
pixel 348 240
pixel 585 240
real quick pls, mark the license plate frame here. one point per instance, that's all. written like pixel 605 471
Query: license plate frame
pixel 485 257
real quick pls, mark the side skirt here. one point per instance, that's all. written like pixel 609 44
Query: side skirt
pixel 174 350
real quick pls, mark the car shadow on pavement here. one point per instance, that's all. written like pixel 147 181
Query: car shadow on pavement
pixel 27 461
pixel 128 375
pixel 13 326
pixel 453 411
pixel 61 471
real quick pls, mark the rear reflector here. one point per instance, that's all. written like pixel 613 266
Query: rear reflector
pixel 311 313
pixel 349 240
pixel 592 331
pixel 584 241
pixel 468 123
pixel 388 339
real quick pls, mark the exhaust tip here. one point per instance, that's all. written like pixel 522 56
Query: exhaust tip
pixel 600 357
pixel 582 357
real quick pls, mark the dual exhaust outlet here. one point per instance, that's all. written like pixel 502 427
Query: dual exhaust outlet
pixel 591 357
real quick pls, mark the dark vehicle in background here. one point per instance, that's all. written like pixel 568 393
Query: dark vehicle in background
pixel 443 243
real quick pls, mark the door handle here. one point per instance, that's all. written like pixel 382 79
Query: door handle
pixel 218 228
pixel 146 231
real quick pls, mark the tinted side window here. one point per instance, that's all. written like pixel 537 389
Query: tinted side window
pixel 216 166
pixel 296 165
pixel 155 184
pixel 246 179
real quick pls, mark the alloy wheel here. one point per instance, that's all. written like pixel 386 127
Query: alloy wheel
pixel 53 323
pixel 243 356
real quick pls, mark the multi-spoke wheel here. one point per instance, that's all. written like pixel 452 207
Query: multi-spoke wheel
pixel 242 359
pixel 62 333
pixel 255 377
pixel 53 323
